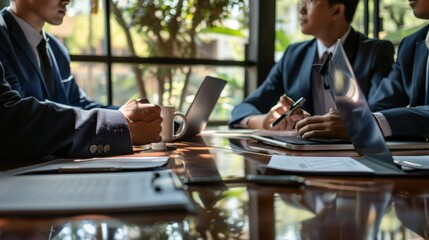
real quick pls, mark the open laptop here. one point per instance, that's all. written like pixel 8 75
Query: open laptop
pixel 340 69
pixel 203 104
pixel 363 130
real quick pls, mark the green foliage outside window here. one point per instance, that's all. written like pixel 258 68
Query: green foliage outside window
pixel 162 29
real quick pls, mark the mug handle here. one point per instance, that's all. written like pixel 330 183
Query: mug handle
pixel 184 126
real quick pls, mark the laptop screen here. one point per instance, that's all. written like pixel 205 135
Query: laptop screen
pixel 203 104
pixel 354 110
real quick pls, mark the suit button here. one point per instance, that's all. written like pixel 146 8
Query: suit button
pixel 100 148
pixel 107 148
pixel 93 148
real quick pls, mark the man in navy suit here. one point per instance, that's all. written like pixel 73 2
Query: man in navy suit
pixel 327 21
pixel 402 99
pixel 24 21
pixel 34 130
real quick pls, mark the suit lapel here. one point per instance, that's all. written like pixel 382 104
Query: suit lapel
pixel 350 45
pixel 59 88
pixel 20 39
pixel 21 45
pixel 306 76
pixel 419 79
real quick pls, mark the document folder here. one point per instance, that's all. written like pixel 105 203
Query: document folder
pixel 92 193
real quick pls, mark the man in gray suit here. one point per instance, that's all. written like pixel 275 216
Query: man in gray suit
pixel 402 99
pixel 327 21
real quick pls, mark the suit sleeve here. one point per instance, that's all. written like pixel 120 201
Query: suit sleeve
pixel 391 92
pixel 7 58
pixel 408 121
pixel 264 98
pixel 381 64
pixel 32 130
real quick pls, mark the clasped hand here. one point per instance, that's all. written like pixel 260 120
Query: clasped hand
pixel 329 125
pixel 144 121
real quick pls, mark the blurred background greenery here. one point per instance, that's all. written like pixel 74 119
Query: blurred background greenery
pixel 163 49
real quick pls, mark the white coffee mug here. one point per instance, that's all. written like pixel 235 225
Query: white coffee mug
pixel 168 114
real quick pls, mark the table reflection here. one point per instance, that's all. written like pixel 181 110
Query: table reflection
pixel 341 210
pixel 346 207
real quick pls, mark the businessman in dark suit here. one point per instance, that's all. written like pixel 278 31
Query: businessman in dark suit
pixel 33 130
pixel 19 52
pixel 401 101
pixel 327 21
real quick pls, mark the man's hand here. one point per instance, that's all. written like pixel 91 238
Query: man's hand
pixel 284 104
pixel 329 125
pixel 144 121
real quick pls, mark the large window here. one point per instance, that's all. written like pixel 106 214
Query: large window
pixel 161 50
pixel 385 19
pixel 288 29
pixel 397 20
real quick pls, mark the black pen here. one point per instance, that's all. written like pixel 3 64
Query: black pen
pixel 202 180
pixel 294 107
pixel 289 180
pixel 284 180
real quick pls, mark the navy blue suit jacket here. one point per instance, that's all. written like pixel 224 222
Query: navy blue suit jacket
pixel 23 72
pixel 405 86
pixel 33 130
pixel 371 60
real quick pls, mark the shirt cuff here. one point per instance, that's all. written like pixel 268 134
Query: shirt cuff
pixel 243 123
pixel 383 124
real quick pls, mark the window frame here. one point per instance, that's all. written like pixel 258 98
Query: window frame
pixel 259 57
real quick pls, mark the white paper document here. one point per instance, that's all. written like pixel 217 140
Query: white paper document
pixel 317 164
pixel 111 164
pixel 412 162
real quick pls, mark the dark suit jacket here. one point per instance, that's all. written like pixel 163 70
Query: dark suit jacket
pixel 23 72
pixel 32 130
pixel 371 60
pixel 405 86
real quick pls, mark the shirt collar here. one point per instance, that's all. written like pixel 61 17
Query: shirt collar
pixel 32 35
pixel 322 48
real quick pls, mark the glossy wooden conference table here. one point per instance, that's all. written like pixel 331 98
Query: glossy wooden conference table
pixel 331 208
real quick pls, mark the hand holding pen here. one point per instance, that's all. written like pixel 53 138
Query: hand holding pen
pixel 287 112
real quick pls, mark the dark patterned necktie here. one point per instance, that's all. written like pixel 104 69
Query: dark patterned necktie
pixel 427 85
pixel 323 70
pixel 325 56
pixel 46 67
